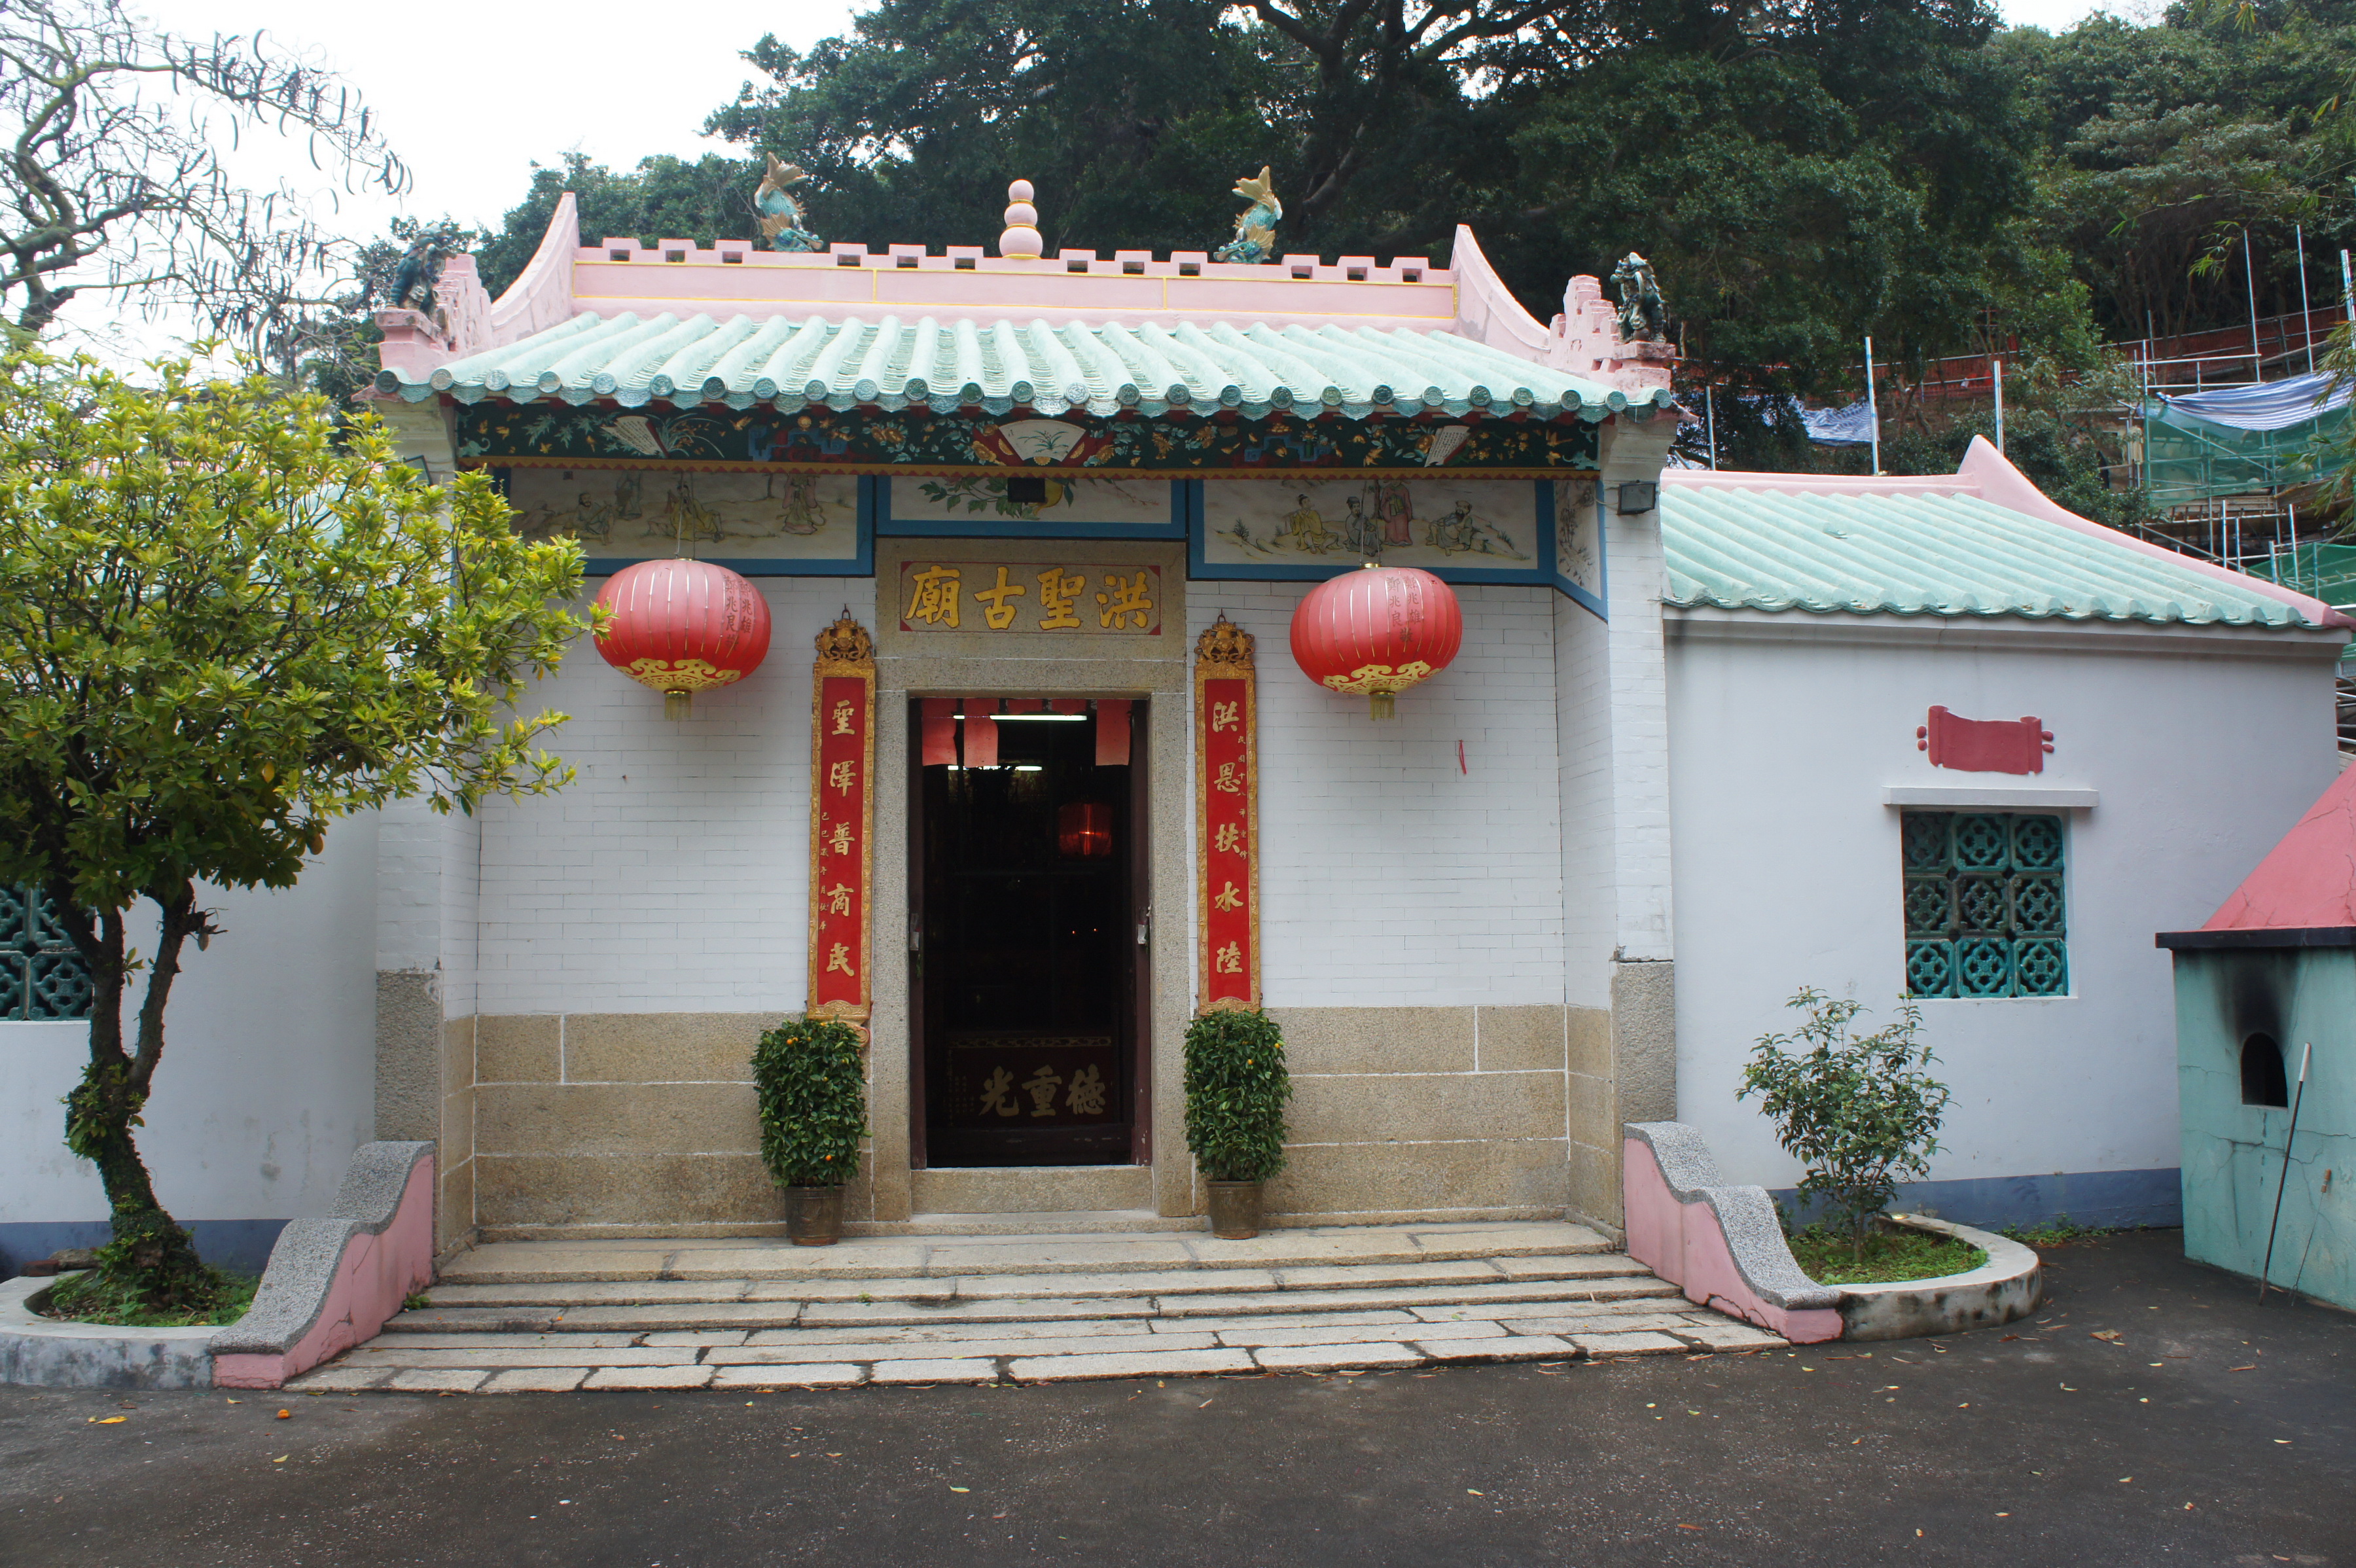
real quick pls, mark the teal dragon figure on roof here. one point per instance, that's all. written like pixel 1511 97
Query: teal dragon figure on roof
pixel 781 215
pixel 1255 238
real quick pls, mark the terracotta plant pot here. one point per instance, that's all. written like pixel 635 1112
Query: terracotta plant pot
pixel 1235 1210
pixel 814 1215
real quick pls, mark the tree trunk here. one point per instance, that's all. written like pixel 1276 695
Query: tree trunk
pixel 151 1255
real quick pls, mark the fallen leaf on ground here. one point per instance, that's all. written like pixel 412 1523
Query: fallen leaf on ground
pixel 2250 1367
pixel 1471 1493
pixel 285 1415
pixel 2111 1335
pixel 282 1459
pixel 107 1419
pixel 960 1489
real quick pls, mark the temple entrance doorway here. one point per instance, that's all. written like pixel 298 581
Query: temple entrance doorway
pixel 1030 927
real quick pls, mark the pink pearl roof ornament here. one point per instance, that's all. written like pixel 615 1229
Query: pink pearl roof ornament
pixel 1022 236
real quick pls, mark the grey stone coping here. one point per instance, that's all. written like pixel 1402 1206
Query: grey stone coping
pixel 2007 1286
pixel 1745 1214
pixel 303 1264
pixel 44 1352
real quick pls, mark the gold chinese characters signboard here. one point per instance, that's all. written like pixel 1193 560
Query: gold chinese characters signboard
pixel 842 821
pixel 1226 817
pixel 1069 596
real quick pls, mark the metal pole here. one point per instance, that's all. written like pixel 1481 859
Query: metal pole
pixel 2347 288
pixel 2305 318
pixel 2268 1267
pixel 1709 423
pixel 1999 403
pixel 2249 276
pixel 1872 406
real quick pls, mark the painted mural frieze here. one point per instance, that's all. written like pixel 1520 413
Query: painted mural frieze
pixel 1430 523
pixel 497 432
pixel 1578 546
pixel 644 511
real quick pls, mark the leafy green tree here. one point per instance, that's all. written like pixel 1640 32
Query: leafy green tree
pixel 1858 1111
pixel 225 622
pixel 663 197
pixel 1236 1090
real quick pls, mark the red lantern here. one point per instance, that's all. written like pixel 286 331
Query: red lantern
pixel 1084 831
pixel 683 627
pixel 1379 631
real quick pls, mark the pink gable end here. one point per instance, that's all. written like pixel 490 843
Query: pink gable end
pixel 2307 880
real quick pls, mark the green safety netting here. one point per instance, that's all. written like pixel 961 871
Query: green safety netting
pixel 2326 571
pixel 2240 440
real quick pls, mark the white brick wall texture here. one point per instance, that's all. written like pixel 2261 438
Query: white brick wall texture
pixel 1583 736
pixel 1389 876
pixel 672 876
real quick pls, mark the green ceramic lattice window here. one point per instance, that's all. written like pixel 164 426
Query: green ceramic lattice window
pixel 41 976
pixel 1984 905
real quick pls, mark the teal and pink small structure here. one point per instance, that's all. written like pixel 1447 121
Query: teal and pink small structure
pixel 2266 996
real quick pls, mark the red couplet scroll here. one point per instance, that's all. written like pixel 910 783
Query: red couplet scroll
pixel 842 823
pixel 1227 818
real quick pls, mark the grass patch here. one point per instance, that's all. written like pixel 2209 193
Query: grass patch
pixel 86 1298
pixel 1897 1254
pixel 2058 1231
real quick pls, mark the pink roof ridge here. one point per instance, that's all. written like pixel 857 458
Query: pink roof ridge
pixel 2308 879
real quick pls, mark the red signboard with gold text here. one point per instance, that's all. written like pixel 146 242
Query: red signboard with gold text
pixel 842 821
pixel 1226 817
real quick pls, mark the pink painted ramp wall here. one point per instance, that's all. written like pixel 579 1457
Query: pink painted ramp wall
pixel 1684 1241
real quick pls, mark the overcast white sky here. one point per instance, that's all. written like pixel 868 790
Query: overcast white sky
pixel 471 97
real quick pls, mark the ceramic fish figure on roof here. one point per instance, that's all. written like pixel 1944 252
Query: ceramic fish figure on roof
pixel 781 215
pixel 1255 238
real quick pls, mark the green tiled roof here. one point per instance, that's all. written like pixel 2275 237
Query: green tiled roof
pixel 793 361
pixel 1926 553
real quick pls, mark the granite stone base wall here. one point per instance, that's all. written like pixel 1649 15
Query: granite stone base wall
pixel 618 1121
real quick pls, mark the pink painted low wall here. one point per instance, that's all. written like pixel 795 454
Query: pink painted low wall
pixel 1685 1243
pixel 375 1274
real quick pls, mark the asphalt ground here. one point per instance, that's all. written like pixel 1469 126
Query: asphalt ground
pixel 2209 1430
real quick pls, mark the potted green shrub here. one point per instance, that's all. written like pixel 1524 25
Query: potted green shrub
pixel 811 1080
pixel 1237 1086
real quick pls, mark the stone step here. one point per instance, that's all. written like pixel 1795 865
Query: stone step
pixel 1032 1351
pixel 995 1252
pixel 945 1288
pixel 1033 1190
pixel 782 1310
pixel 1015 1222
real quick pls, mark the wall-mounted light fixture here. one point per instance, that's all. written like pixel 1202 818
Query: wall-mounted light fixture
pixel 1635 496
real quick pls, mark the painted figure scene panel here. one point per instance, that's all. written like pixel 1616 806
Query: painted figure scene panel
pixel 652 511
pixel 1430 523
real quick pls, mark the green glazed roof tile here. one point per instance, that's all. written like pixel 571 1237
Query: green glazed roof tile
pixel 793 361
pixel 1929 554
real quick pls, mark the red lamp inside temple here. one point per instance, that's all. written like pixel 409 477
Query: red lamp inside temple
pixel 683 627
pixel 1378 630
pixel 1083 831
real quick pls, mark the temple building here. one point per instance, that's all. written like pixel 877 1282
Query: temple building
pixel 1031 775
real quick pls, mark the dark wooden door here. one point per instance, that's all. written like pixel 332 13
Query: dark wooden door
pixel 1028 997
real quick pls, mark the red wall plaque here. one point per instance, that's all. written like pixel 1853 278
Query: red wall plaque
pixel 1984 745
pixel 1227 818
pixel 842 821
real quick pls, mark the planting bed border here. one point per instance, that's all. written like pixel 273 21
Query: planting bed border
pixel 1724 1247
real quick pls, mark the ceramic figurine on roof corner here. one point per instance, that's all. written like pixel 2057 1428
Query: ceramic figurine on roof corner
pixel 781 215
pixel 1255 238
pixel 1643 317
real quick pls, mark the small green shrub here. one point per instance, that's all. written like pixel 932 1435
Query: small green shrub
pixel 92 1297
pixel 1824 1256
pixel 1857 1111
pixel 812 1086
pixel 1237 1086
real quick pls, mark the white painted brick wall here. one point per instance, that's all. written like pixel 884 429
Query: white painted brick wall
pixel 1638 687
pixel 1583 735
pixel 1390 877
pixel 672 876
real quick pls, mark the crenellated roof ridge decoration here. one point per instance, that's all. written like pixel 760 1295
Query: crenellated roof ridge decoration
pixel 684 323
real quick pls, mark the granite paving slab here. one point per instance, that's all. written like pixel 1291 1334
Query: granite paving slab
pixel 1155 1363
pixel 1368 1334
pixel 935 1333
pixel 1331 1358
pixel 1505 1348
pixel 686 1316
pixel 807 1375
pixel 436 1380
pixel 1726 1333
pixel 535 1381
pixel 1627 1343
pixel 339 1377
pixel 689 1377
pixel 1142 1282
pixel 934 1371
pixel 385 1353
pixel 1195 1325
pixel 841 1312
pixel 587 1292
pixel 975 1346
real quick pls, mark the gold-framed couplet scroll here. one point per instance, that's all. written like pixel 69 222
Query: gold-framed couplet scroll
pixel 842 823
pixel 1226 817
